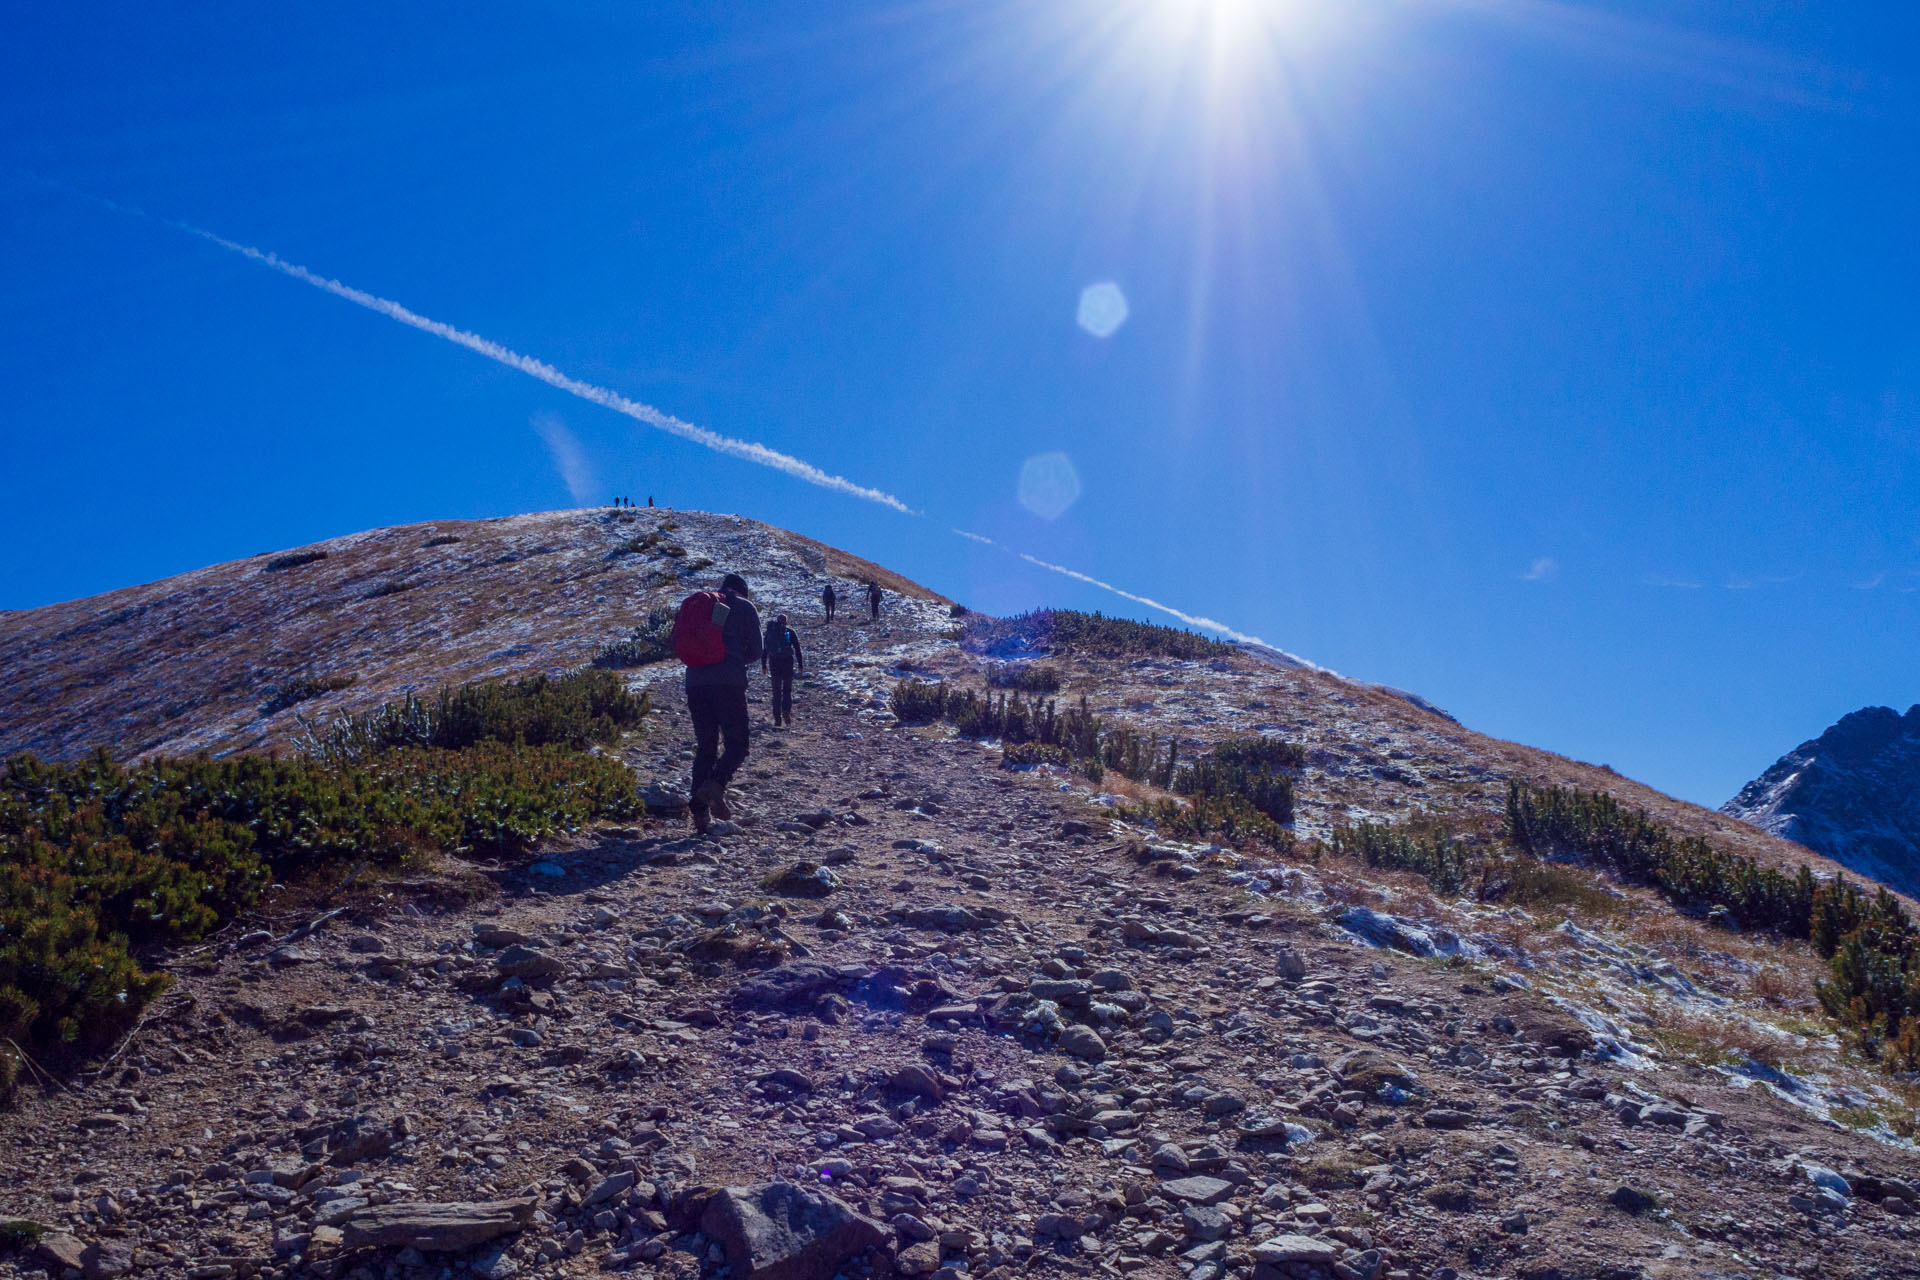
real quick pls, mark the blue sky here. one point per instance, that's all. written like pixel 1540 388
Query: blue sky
pixel 1557 361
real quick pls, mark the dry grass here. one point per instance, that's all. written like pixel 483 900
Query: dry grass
pixel 1780 989
pixel 1706 1039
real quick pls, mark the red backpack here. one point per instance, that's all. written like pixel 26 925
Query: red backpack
pixel 697 638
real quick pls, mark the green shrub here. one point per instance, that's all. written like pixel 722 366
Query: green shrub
pixel 441 540
pixel 97 859
pixel 651 641
pixel 1026 677
pixel 1544 821
pixel 1229 818
pixel 1067 630
pixel 20 1234
pixel 1092 744
pixel 1433 854
pixel 304 689
pixel 293 560
pixel 1248 768
pixel 1870 944
pixel 1024 755
pixel 392 587
pixel 577 710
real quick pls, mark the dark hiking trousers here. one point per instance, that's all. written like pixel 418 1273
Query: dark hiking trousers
pixel 782 673
pixel 718 711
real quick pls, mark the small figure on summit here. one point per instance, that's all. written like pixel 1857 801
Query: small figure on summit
pixel 781 657
pixel 717 635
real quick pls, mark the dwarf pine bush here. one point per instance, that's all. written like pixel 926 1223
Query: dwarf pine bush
pixel 1249 768
pixel 578 710
pixel 650 642
pixel 1868 941
pixel 1435 855
pixel 99 859
pixel 304 689
pixel 1026 677
pixel 293 560
pixel 1068 630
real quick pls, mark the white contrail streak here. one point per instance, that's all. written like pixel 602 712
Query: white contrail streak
pixel 744 449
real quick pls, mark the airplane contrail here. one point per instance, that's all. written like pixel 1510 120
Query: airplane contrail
pixel 743 449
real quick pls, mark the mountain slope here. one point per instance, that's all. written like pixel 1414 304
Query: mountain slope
pixel 1020 1031
pixel 1853 794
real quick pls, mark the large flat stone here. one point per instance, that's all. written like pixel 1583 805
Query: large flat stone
pixel 1290 1248
pixel 434 1228
pixel 1198 1189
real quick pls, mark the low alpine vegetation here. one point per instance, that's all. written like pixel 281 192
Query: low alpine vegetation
pixel 580 710
pixel 98 859
pixel 1871 945
pixel 1026 677
pixel 1069 631
pixel 650 642
pixel 304 689
pixel 293 560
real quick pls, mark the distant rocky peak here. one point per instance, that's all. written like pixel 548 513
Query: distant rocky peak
pixel 1853 793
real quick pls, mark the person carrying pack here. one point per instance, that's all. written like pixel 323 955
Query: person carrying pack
pixel 780 657
pixel 829 599
pixel 717 635
pixel 873 598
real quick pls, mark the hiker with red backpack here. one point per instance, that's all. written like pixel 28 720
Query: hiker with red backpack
pixel 780 656
pixel 717 635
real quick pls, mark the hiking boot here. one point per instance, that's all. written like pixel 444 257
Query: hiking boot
pixel 713 795
pixel 700 821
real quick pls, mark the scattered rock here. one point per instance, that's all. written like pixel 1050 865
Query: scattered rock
pixel 434 1228
pixel 779 1231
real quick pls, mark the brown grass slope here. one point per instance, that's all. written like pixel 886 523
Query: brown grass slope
pixel 187 663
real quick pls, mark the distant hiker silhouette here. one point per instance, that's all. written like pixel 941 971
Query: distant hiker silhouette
pixel 780 657
pixel 829 599
pixel 717 635
pixel 873 598
pixel 649 499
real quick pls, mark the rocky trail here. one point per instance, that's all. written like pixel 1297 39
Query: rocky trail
pixel 915 1015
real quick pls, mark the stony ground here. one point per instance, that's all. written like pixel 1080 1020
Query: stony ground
pixel 958 997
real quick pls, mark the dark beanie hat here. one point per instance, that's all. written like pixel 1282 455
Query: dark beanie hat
pixel 735 583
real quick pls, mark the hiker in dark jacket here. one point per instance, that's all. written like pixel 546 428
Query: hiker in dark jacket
pixel 829 599
pixel 873 598
pixel 780 657
pixel 717 702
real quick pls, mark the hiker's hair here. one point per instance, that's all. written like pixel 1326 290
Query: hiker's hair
pixel 735 583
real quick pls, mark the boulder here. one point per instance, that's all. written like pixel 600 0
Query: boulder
pixel 804 879
pixel 1198 1190
pixel 435 1228
pixel 780 1231
pixel 523 962
pixel 790 987
pixel 57 1251
pixel 1285 1249
pixel 1083 1042
pixel 107 1258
